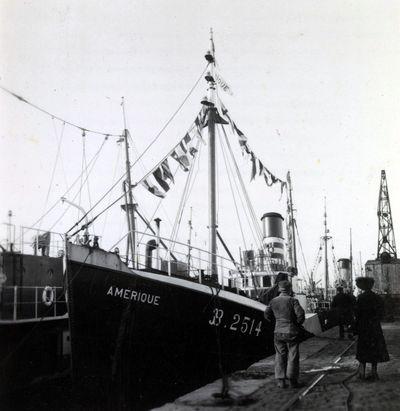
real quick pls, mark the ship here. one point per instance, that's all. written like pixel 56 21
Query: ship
pixel 34 333
pixel 167 316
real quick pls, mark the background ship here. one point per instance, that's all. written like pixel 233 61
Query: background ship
pixel 34 335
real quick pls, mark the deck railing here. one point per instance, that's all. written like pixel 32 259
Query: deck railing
pixel 29 303
pixel 31 240
pixel 186 260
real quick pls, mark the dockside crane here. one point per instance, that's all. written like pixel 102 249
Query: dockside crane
pixel 386 241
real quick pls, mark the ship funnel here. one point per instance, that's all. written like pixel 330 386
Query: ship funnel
pixel 272 225
pixel 344 266
pixel 273 235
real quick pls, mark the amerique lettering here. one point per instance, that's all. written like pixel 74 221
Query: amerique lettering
pixel 139 296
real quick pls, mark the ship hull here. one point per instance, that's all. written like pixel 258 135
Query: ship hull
pixel 140 339
pixel 31 350
pixel 34 336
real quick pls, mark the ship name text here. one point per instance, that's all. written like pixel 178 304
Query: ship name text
pixel 139 296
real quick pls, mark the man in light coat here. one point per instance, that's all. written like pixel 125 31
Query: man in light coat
pixel 288 316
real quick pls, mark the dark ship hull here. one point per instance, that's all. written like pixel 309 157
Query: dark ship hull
pixel 34 336
pixel 142 338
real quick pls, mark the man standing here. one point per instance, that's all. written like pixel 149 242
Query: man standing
pixel 288 316
pixel 343 306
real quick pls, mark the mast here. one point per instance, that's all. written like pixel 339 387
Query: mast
pixel 212 197
pixel 326 238
pixel 292 222
pixel 189 260
pixel 130 206
pixel 351 263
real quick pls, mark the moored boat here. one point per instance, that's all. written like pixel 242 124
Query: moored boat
pixel 147 328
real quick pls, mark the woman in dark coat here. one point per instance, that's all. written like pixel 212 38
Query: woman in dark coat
pixel 371 346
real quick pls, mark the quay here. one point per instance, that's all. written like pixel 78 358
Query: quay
pixel 328 370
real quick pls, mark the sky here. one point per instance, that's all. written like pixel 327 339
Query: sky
pixel 315 89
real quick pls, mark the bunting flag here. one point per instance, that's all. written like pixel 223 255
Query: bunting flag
pixel 242 140
pixel 163 175
pixel 160 179
pixel 257 167
pixel 151 186
pixel 222 83
pixel 185 152
pixel 158 183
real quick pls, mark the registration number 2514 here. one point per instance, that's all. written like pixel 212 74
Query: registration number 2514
pixel 238 323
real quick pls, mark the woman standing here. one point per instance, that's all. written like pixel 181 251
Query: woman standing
pixel 371 346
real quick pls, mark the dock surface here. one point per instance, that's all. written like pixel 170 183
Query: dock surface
pixel 329 375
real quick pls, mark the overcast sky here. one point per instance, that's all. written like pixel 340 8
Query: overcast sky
pixel 316 91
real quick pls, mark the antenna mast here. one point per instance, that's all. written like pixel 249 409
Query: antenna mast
pixel 326 238
pixel 291 228
pixel 386 241
pixel 129 204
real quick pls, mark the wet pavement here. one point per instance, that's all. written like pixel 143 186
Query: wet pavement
pixel 339 388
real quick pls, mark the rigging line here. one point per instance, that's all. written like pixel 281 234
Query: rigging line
pixel 302 251
pixel 113 178
pixel 82 172
pixel 54 167
pixel 148 147
pixel 155 211
pixel 160 201
pixel 183 200
pixel 229 170
pixel 181 207
pixel 87 179
pixel 24 100
pixel 144 171
pixel 233 194
pixel 61 156
pixel 249 205
pixel 190 186
pixel 162 160
pixel 97 216
pixel 70 188
pixel 197 171
pixel 237 211
pixel 76 195
pixel 174 114
pixel 248 218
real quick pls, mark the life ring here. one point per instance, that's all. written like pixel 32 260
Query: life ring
pixel 48 296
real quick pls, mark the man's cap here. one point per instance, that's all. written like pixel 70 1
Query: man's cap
pixel 365 283
pixel 284 286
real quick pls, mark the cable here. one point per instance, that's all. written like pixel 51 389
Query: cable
pixel 156 209
pixel 302 252
pixel 54 167
pixel 24 100
pixel 146 149
pixel 113 178
pixel 182 203
pixel 61 156
pixel 70 188
pixel 95 158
